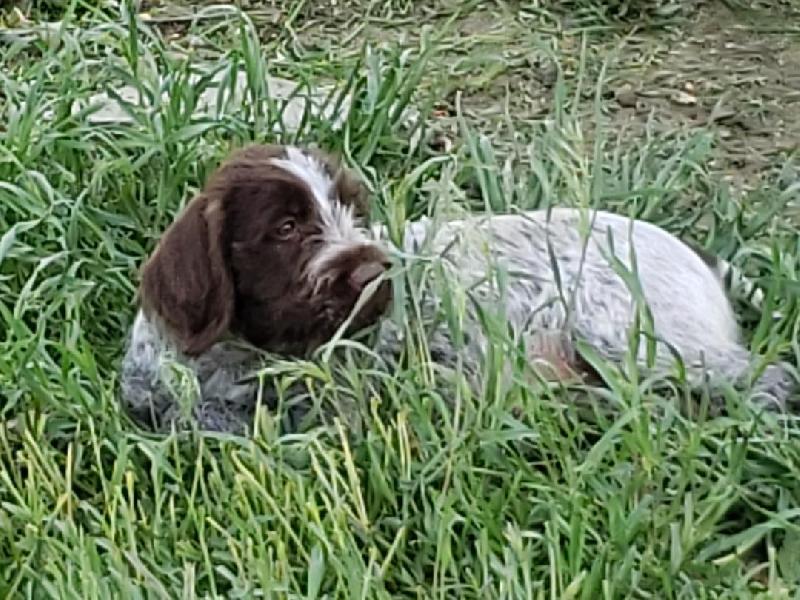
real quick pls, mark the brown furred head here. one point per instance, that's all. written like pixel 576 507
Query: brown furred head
pixel 270 250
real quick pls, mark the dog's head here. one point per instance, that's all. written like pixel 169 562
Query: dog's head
pixel 271 251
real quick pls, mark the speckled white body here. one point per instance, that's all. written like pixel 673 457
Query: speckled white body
pixel 589 299
pixel 690 307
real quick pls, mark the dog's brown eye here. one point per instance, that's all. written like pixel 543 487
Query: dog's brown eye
pixel 286 228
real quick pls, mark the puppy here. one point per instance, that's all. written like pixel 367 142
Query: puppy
pixel 270 257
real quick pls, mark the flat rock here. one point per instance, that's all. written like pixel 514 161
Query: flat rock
pixel 219 97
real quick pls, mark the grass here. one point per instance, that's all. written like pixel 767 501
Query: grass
pixel 413 491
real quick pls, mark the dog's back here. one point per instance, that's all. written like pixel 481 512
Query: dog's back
pixel 554 272
pixel 685 295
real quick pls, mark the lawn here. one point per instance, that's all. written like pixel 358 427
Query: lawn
pixel 686 114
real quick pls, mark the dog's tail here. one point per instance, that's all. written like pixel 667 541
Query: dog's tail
pixel 740 285
pixel 736 283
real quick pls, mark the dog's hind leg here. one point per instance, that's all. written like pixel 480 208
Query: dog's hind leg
pixel 553 356
pixel 774 389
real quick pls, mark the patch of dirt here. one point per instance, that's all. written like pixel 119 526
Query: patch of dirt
pixel 733 72
pixel 721 74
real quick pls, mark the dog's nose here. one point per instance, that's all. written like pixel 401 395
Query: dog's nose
pixel 365 273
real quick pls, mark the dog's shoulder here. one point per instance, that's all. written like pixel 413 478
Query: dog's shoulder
pixel 153 373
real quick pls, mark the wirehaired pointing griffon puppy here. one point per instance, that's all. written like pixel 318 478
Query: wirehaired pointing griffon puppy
pixel 270 256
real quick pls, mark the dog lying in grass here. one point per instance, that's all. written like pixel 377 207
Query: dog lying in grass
pixel 270 257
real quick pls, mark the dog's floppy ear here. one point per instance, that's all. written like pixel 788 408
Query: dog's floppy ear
pixel 186 282
pixel 352 191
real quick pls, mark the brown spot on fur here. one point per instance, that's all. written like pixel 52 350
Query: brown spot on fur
pixel 554 358
pixel 352 191
pixel 350 188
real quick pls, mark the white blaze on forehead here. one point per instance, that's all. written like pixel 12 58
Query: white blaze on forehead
pixel 338 221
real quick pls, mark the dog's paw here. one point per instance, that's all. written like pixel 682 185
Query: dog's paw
pixel 776 390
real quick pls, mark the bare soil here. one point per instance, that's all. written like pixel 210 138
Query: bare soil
pixel 734 72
